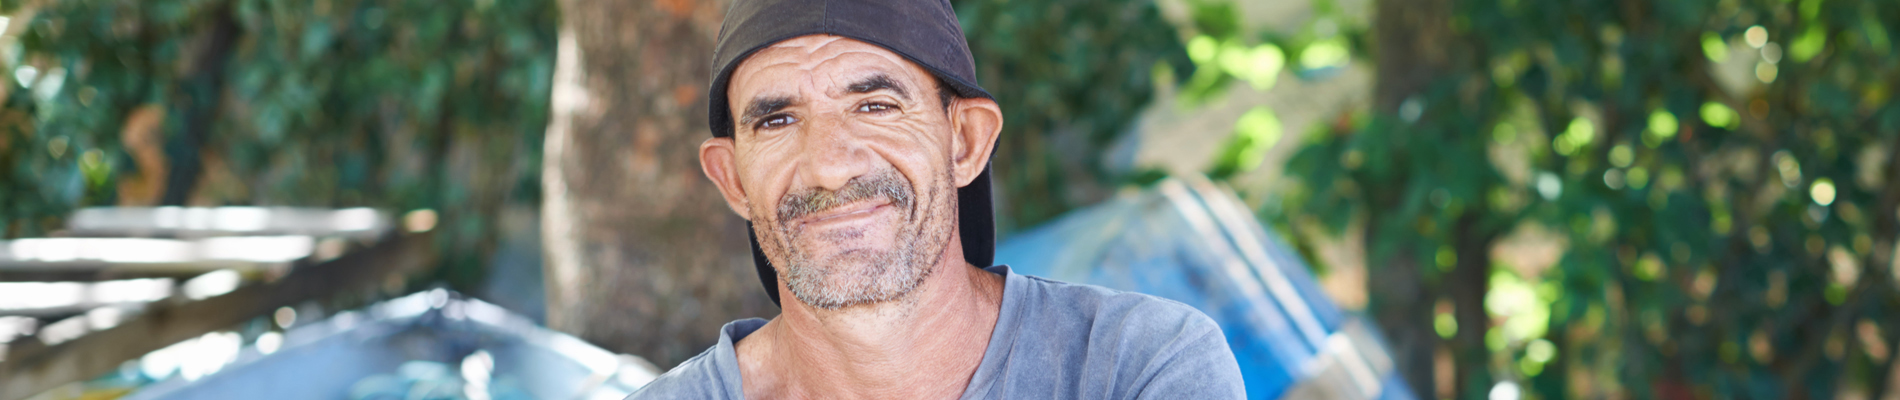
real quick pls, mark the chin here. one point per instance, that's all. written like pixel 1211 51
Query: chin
pixel 855 277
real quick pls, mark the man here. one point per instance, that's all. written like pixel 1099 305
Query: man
pixel 852 136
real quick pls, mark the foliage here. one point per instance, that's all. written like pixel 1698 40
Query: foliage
pixel 330 103
pixel 1719 169
pixel 1070 75
pixel 1225 53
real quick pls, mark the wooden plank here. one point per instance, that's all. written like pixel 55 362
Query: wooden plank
pixel 53 313
pixel 94 271
pixel 361 223
pixel 32 368
pixel 141 252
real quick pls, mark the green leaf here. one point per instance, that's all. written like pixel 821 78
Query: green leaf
pixel 1808 44
pixel 1255 133
pixel 1714 47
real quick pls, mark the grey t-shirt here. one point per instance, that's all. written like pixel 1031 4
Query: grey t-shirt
pixel 1053 340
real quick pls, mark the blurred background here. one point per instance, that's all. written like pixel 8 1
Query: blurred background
pixel 1554 199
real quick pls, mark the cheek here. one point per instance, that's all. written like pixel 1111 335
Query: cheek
pixel 764 183
pixel 918 145
pixel 923 156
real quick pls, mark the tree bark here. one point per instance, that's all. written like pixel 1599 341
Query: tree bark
pixel 1410 42
pixel 643 256
pixel 1413 38
pixel 1401 300
pixel 203 91
pixel 1467 285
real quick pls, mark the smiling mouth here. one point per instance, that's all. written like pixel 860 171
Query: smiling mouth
pixel 845 212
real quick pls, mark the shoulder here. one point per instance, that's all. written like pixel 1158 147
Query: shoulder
pixel 1135 345
pixel 1149 317
pixel 713 374
pixel 697 378
pixel 1134 325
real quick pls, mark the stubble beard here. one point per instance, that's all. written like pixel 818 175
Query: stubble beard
pixel 860 277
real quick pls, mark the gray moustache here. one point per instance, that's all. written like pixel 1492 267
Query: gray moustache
pixel 884 184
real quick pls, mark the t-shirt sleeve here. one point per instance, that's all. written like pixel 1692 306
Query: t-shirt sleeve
pixel 1199 366
pixel 697 378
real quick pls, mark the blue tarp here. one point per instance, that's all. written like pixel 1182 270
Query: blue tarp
pixel 430 345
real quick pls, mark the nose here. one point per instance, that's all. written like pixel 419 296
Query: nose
pixel 831 154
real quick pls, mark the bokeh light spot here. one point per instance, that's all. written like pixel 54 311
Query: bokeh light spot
pixel 1720 115
pixel 1822 191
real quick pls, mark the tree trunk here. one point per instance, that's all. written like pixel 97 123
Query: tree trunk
pixel 643 256
pixel 1410 41
pixel 1413 38
pixel 1401 300
pixel 203 91
pixel 1467 285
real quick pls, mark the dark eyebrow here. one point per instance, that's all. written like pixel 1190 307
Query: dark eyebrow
pixel 875 83
pixel 764 105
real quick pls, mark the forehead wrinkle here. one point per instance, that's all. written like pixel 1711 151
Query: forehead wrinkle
pixel 808 57
pixel 831 85
pixel 813 55
pixel 812 43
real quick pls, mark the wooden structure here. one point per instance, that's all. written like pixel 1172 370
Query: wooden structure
pixel 29 366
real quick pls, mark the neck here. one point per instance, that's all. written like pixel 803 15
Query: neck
pixel 926 344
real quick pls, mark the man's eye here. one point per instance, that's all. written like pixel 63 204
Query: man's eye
pixel 776 121
pixel 876 107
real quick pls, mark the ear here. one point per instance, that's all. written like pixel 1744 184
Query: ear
pixel 975 126
pixel 716 158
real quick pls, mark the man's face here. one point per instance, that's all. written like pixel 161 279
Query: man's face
pixel 847 164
